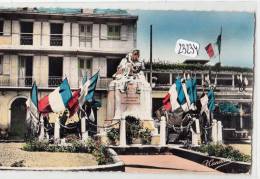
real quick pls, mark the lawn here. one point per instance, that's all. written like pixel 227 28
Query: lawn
pixel 12 152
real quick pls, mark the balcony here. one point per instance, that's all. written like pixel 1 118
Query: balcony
pixel 56 40
pixel 7 81
pixel 26 39
pixel 54 81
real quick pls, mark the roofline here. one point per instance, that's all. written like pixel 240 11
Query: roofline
pixel 58 15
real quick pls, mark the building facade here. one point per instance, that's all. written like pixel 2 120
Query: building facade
pixel 236 118
pixel 46 45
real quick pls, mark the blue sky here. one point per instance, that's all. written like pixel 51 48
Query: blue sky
pixel 201 27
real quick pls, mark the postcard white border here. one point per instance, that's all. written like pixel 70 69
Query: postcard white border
pixel 205 5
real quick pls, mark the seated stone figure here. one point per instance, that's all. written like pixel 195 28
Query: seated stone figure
pixel 130 68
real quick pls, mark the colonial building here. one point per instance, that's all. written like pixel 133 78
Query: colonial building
pixel 237 115
pixel 48 44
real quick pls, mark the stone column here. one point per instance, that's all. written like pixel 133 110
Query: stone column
pixel 196 134
pixel 241 113
pixel 162 131
pixel 197 123
pixel 233 80
pixel 46 34
pixel 84 133
pixel 96 37
pixel 219 126
pixel 37 33
pixel 202 79
pixel 75 35
pixel 214 131
pixel 57 131
pixel 66 34
pixel 171 75
pixel 122 133
pixel 41 136
pixel 15 33
pixel 118 113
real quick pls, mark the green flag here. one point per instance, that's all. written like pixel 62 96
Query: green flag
pixel 219 41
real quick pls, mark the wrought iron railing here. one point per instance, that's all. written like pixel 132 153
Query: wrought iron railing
pixel 7 81
pixel 26 39
pixel 102 83
pixel 56 40
pixel 54 81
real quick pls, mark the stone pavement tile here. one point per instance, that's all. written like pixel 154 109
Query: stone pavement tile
pixel 161 163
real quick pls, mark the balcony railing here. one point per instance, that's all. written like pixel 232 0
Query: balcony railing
pixel 56 40
pixel 7 81
pixel 26 39
pixel 102 83
pixel 54 81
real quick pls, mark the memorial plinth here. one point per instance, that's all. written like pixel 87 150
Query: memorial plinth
pixel 130 97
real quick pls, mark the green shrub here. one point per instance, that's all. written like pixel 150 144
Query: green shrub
pixel 95 147
pixel 18 164
pixel 101 153
pixel 219 150
pixel 163 65
pixel 36 145
pixel 146 136
pixel 113 135
pixel 133 128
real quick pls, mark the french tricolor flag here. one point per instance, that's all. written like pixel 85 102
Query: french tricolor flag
pixel 57 100
pixel 85 93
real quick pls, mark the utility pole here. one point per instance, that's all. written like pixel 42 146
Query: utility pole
pixel 151 53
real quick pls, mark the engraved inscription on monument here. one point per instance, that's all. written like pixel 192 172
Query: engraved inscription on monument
pixel 130 97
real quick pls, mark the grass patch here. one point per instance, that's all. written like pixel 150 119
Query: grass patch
pixel 223 151
pixel 94 147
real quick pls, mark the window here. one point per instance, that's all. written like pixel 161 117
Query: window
pixel 85 35
pixel 55 71
pixel 85 67
pixel 113 32
pixel 56 34
pixel 1 27
pixel 112 65
pixel 26 33
pixel 1 65
pixel 25 70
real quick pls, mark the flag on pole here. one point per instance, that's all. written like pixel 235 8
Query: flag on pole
pixel 32 102
pixel 92 87
pixel 211 100
pixel 57 100
pixel 32 115
pixel 73 104
pixel 177 97
pixel 85 93
pixel 219 41
pixel 170 100
pixel 212 48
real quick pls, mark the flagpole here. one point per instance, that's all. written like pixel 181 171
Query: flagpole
pixel 220 45
pixel 151 54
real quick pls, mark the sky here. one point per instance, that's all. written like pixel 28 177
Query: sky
pixel 201 27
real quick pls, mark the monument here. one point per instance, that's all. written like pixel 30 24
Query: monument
pixel 130 93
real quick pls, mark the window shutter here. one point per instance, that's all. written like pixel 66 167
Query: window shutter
pixel 124 32
pixel 7 27
pixel 103 33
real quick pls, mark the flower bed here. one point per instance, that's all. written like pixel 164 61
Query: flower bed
pixel 94 147
pixel 223 151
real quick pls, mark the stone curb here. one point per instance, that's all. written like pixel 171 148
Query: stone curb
pixel 118 165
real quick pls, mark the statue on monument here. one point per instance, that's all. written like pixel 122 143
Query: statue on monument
pixel 130 68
